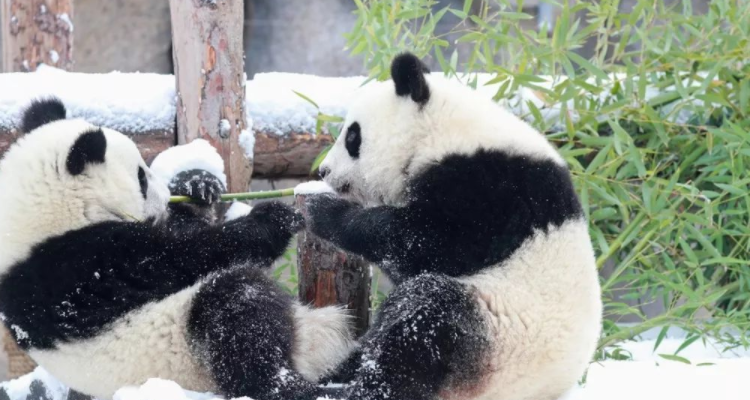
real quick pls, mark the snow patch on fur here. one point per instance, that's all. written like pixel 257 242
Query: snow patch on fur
pixel 198 154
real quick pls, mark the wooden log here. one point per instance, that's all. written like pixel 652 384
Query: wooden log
pixel 150 143
pixel 289 155
pixel 209 69
pixel 276 156
pixel 330 276
pixel 36 31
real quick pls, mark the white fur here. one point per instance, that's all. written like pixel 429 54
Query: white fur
pixel 40 199
pixel 322 339
pixel 543 304
pixel 146 343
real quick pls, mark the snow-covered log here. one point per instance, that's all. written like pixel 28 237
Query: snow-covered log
pixel 209 67
pixel 280 123
pixel 36 31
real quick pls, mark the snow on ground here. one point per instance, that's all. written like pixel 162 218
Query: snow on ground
pixel 198 154
pixel 646 377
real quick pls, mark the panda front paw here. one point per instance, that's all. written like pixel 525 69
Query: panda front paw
pixel 200 185
pixel 277 214
pixel 325 215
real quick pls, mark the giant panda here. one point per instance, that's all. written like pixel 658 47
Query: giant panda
pixel 472 213
pixel 106 286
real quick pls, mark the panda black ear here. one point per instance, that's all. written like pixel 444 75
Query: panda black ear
pixel 89 148
pixel 42 112
pixel 407 72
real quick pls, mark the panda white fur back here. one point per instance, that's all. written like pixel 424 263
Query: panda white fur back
pixel 473 214
pixel 107 286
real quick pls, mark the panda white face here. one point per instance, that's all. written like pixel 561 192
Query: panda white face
pixel 394 129
pixel 67 174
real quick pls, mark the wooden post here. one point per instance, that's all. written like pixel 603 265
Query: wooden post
pixel 210 74
pixel 35 32
pixel 330 276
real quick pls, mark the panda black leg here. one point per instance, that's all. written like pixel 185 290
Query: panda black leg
pixel 241 327
pixel 429 336
pixel 346 371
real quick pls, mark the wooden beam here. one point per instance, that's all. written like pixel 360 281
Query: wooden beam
pixel 36 31
pixel 330 276
pixel 209 69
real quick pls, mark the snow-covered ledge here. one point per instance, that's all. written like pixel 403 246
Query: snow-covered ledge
pixel 283 123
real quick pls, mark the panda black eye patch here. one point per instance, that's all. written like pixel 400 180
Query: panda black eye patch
pixel 353 140
pixel 142 181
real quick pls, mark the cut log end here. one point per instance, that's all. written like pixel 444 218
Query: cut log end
pixel 329 276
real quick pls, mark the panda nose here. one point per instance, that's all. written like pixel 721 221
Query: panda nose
pixel 323 171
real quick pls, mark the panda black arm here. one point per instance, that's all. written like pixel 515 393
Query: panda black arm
pixel 369 232
pixel 463 214
pixel 74 285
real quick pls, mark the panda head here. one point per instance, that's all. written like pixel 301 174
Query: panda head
pixel 395 129
pixel 65 174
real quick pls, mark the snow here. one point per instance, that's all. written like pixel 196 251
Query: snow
pixel 237 210
pixel 312 187
pixel 64 17
pixel 160 389
pixel 646 377
pixel 224 128
pixel 131 102
pixel 198 154
pixel 54 56
pixel 274 107
pixel 247 141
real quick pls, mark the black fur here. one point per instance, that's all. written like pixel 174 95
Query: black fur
pixel 41 112
pixel 241 326
pixel 198 184
pixel 143 182
pixel 407 72
pixel 72 286
pixel 89 148
pixel 353 140
pixel 204 189
pixel 428 336
pixel 463 214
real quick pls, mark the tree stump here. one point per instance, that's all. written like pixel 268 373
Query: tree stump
pixel 329 276
pixel 35 32
pixel 209 69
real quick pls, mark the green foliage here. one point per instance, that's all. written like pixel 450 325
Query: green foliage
pixel 659 150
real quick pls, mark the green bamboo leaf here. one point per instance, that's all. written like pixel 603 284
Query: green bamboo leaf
pixel 671 357
pixel 307 99
pixel 319 159
pixel 661 336
pixel 588 66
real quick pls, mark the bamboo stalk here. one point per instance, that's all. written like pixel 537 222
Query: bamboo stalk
pixel 269 194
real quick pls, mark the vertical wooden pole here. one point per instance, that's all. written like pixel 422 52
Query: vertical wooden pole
pixel 329 276
pixel 210 73
pixel 35 32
